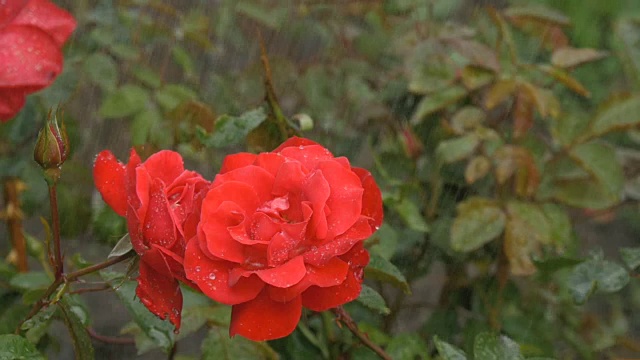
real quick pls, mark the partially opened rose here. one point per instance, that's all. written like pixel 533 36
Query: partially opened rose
pixel 32 33
pixel 283 230
pixel 161 201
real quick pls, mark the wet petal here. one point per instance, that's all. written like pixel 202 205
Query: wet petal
pixel 308 155
pixel 109 178
pixel 236 161
pixel 29 57
pixel 340 245
pixel 331 274
pixel 372 198
pixel 264 319
pixel 285 275
pixel 294 142
pixel 44 14
pixel 212 277
pixel 317 191
pixel 165 165
pixel 159 293
pixel 345 200
pixel 9 10
pixel 270 162
pixel 259 179
pixel 158 225
pixel 215 229
pixel 321 299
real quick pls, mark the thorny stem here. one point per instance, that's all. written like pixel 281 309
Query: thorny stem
pixel 55 223
pixel 13 214
pixel 343 317
pixel 68 278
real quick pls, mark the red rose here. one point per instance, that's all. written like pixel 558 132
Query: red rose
pixel 161 202
pixel 31 35
pixel 282 230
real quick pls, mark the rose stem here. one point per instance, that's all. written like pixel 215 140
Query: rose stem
pixel 55 223
pixel 343 316
pixel 13 213
pixel 71 277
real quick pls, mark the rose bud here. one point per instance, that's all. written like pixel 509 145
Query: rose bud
pixel 52 146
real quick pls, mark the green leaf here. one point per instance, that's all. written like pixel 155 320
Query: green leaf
pixel 488 346
pixel 599 159
pixel 102 70
pixel 374 301
pixel 596 275
pixel 382 269
pixel 411 215
pixel 125 101
pixel 219 346
pixel 407 347
pixel 14 347
pixel 448 351
pixel 122 247
pixel 81 340
pixel 615 116
pixel 478 222
pixel 437 101
pixel 159 331
pixel 38 325
pixel 147 76
pixel 627 30
pixel 453 150
pixel 631 256
pixel 31 280
pixel 231 130
pixel 172 95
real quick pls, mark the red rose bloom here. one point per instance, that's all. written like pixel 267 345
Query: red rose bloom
pixel 282 230
pixel 161 202
pixel 31 35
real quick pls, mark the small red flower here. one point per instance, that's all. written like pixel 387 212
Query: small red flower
pixel 283 230
pixel 161 201
pixel 32 33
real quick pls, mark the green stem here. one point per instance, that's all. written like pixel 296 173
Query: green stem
pixel 68 278
pixel 55 223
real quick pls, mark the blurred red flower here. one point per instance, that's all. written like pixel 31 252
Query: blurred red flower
pixel 283 230
pixel 161 201
pixel 32 33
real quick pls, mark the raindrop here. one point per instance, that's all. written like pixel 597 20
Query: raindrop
pixel 198 268
pixel 212 276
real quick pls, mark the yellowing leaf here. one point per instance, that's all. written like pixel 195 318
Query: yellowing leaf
pixel 568 57
pixel 476 169
pixel 499 92
pixel 478 222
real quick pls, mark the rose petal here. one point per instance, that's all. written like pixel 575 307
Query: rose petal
pixel 160 294
pixel 233 191
pixel 345 200
pixel 109 178
pixel 317 191
pixel 9 10
pixel 319 255
pixel 215 235
pixel 236 161
pixel 158 227
pixel 44 14
pixel 165 165
pixel 29 57
pixel 308 156
pixel 11 102
pixel 294 142
pixel 332 273
pixel 322 298
pixel 264 319
pixel 285 275
pixel 259 179
pixel 372 198
pixel 270 162
pixel 212 277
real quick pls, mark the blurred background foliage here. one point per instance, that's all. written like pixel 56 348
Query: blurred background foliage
pixel 504 134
